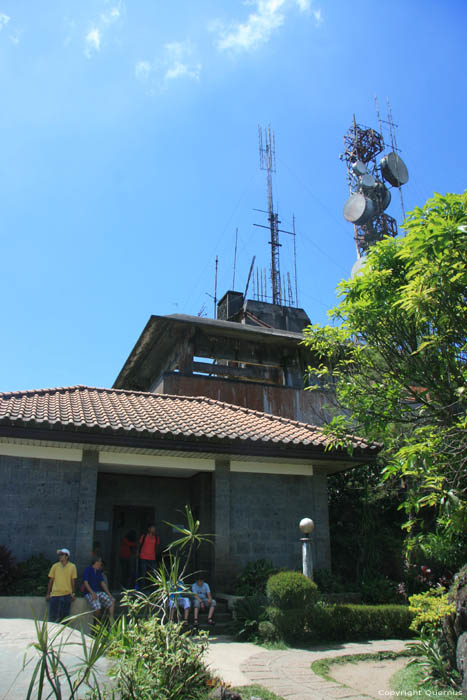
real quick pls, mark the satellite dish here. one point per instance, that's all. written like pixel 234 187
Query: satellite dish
pixel 367 183
pixel 357 267
pixel 359 168
pixel 383 197
pixel 358 209
pixel 394 170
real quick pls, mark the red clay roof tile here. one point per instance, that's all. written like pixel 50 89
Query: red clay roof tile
pixel 132 412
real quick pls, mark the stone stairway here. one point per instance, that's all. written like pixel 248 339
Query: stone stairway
pixel 222 616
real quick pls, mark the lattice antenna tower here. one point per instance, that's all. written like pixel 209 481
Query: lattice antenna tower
pixel 368 180
pixel 267 162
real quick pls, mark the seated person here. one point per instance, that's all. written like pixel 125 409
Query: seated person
pixel 202 599
pixel 176 600
pixel 95 589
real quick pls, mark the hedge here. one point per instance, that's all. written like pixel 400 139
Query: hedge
pixel 341 623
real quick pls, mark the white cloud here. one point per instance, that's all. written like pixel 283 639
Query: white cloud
pixel 101 26
pixel 267 17
pixel 4 19
pixel 318 17
pixel 143 70
pixel 113 14
pixel 92 42
pixel 177 61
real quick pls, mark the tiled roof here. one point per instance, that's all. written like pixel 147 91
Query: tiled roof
pixel 156 415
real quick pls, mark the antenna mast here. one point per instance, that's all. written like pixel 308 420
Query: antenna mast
pixel 235 258
pixel 215 288
pixel 267 161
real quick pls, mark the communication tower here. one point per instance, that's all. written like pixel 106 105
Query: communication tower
pixel 267 161
pixel 368 180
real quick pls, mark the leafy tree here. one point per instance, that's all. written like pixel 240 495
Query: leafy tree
pixel 397 364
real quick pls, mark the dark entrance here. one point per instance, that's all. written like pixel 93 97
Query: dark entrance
pixel 125 519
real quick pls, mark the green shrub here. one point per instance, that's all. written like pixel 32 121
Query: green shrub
pixel 341 623
pixel 328 582
pixel 152 660
pixel 291 590
pixel 431 611
pixel 8 571
pixel 267 631
pixel 248 612
pixel 289 624
pixel 379 591
pixel 253 577
pixel 33 576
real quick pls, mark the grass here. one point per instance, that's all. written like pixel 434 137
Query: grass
pixel 322 667
pixel 256 691
pixel 408 682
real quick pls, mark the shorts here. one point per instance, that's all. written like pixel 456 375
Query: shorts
pixel 204 600
pixel 102 600
pixel 184 602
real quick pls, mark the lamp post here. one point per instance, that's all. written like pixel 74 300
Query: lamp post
pixel 307 526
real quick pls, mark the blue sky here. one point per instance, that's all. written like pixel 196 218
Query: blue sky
pixel 129 155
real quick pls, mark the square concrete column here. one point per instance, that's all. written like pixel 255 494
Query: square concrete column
pixel 223 570
pixel 85 510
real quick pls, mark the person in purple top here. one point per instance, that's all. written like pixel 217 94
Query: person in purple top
pixel 95 588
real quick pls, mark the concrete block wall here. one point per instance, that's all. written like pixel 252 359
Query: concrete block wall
pixel 265 511
pixel 257 515
pixel 39 500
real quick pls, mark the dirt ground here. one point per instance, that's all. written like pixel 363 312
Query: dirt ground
pixel 368 677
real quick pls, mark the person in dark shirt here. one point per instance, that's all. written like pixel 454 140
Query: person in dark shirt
pixel 96 591
pixel 127 559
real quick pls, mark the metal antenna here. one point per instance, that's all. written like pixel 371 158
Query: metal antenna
pixel 377 114
pixel 392 135
pixel 235 258
pixel 295 259
pixel 267 161
pixel 215 288
pixel 248 283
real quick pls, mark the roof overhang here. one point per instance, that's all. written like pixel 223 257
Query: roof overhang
pixel 158 346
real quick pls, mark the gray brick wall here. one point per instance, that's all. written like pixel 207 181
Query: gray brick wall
pixel 264 517
pixel 38 504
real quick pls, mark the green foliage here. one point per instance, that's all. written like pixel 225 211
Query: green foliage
pixel 341 623
pixel 289 590
pixel 50 677
pixel 397 364
pixel 33 576
pixel 267 632
pixel 379 590
pixel 253 577
pixel 430 609
pixel 8 571
pixel 248 613
pixel 152 660
pixel 250 692
pixel 411 681
pixel 438 655
pixel 328 582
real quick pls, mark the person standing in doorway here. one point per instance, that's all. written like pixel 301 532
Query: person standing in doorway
pixel 148 544
pixel 61 588
pixel 127 559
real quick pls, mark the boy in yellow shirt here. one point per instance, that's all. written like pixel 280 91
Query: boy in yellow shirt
pixel 61 588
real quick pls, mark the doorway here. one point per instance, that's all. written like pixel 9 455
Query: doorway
pixel 126 519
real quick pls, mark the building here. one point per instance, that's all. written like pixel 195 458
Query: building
pixel 82 464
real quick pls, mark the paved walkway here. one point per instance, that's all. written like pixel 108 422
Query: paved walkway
pixel 288 673
pixel 16 636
